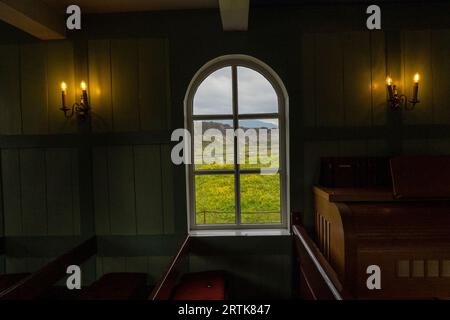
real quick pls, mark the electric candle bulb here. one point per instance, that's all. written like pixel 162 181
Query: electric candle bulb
pixel 83 85
pixel 416 78
pixel 63 86
pixel 388 81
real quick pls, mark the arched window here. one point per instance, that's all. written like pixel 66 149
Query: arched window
pixel 236 113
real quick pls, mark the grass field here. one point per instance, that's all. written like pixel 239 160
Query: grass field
pixel 215 199
pixel 215 194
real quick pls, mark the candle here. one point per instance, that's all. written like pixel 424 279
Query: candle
pixel 416 87
pixel 84 95
pixel 389 87
pixel 63 93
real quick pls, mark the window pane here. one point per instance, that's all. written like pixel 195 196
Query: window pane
pixel 259 144
pixel 214 199
pixel 255 93
pixel 213 145
pixel 214 95
pixel 260 198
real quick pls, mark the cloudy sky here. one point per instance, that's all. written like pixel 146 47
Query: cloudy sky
pixel 255 93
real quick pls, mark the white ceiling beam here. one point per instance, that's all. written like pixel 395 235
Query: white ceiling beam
pixel 234 14
pixel 33 17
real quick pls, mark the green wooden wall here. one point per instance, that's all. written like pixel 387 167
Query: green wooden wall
pixel 118 166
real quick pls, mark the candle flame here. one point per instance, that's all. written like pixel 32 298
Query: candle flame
pixel 83 85
pixel 388 81
pixel 63 86
pixel 416 77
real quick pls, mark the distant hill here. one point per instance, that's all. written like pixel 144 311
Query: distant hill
pixel 245 124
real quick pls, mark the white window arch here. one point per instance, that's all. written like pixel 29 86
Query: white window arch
pixel 232 102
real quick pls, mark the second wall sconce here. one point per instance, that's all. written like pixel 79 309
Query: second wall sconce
pixel 81 109
pixel 398 101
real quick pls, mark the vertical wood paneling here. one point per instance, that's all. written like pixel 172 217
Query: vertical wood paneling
pixel 122 190
pixel 440 146
pixel 149 210
pixel 378 75
pixel 60 201
pixel 153 82
pixel 10 105
pixel 353 148
pixel 136 264
pixel 16 265
pixel 11 192
pixel 76 192
pixel 124 65
pixel 417 58
pixel 101 190
pixel 357 79
pixel 34 88
pixel 308 83
pixel 34 193
pixel 60 67
pixel 377 148
pixel 416 147
pixel 167 190
pixel 441 76
pixel 113 264
pixel 329 80
pixel 100 85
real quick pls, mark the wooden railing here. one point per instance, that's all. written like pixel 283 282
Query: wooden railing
pixel 164 288
pixel 316 278
pixel 33 286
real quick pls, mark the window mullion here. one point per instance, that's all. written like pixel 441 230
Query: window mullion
pixel 237 184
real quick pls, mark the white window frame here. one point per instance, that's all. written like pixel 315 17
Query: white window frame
pixel 282 115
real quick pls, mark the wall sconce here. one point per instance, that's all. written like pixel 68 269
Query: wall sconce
pixel 81 109
pixel 401 101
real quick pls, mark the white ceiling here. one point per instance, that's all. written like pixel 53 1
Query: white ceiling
pixel 99 6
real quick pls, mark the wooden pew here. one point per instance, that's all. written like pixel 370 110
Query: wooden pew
pixel 316 279
pixel 35 285
pixel 39 285
pixel 209 285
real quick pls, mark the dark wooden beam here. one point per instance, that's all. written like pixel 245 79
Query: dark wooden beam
pixel 33 17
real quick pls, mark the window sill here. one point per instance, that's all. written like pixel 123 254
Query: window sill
pixel 239 233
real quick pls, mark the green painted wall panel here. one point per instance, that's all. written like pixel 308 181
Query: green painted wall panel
pixel 34 193
pixel 167 190
pixel 34 88
pixel 99 56
pixel 60 201
pixel 440 41
pixel 329 79
pixel 10 103
pixel 153 84
pixel 357 79
pixel 122 190
pixel 148 175
pixel 378 77
pixel 308 68
pixel 101 190
pixel 12 205
pixel 124 72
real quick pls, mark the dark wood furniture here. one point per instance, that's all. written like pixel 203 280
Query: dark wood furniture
pixel 404 229
pixel 117 286
pixel 177 285
pixel 35 285
pixel 315 278
pixel 39 285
